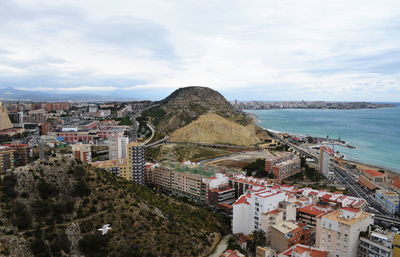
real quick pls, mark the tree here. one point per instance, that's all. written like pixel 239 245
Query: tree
pixel 258 239
pixel 94 245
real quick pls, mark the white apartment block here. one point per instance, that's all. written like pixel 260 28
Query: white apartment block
pixel 338 232
pixel 325 162
pixel 118 147
pixel 249 208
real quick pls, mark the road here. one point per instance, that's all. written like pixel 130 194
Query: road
pixel 220 249
pixel 343 175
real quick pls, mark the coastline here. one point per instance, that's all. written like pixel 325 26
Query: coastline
pixel 362 165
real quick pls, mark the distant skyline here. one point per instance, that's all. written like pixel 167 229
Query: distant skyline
pixel 247 50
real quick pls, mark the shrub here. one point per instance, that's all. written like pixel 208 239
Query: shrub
pixel 93 245
pixel 81 189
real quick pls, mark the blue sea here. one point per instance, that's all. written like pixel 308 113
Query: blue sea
pixel 374 132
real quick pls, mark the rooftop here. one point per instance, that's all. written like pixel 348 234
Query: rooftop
pixel 336 216
pixel 285 227
pixel 373 173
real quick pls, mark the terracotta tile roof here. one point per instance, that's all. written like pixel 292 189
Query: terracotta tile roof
pixel 350 209
pixel 396 182
pixel 242 199
pixel 310 209
pixel 373 173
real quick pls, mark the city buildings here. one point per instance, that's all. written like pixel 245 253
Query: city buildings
pixel 82 152
pixel 248 209
pixel 118 147
pixel 136 162
pixel 371 179
pixel 388 200
pixel 117 167
pixel 283 165
pixel 338 231
pixel 326 156
pixel 190 180
pixel 6 159
pixel 310 213
pixel 287 234
pixel 22 152
pixel 376 242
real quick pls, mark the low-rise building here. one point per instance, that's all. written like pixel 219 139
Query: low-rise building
pixel 287 234
pixel 300 250
pixel 388 200
pixel 117 167
pixel 82 152
pixel 371 179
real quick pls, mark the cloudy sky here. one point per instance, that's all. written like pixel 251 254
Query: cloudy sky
pixel 248 50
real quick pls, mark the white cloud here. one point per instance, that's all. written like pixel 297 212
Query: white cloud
pixel 334 50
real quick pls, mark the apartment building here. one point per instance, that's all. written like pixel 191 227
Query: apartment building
pixel 136 162
pixel 388 200
pixel 376 242
pixel 248 209
pixel 117 167
pixel 118 147
pixel 193 181
pixel 310 213
pixel 283 165
pixel 326 155
pixel 242 183
pixel 82 152
pixel 6 159
pixel 22 152
pixel 338 231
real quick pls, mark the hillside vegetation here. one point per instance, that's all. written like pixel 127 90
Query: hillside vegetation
pixel 55 207
pixel 185 105
pixel 211 128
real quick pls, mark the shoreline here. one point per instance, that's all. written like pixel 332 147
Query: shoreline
pixel 390 172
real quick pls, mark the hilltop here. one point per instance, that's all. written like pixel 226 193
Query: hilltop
pixel 54 208
pixel 187 104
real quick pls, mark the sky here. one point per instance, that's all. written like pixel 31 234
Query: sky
pixel 248 50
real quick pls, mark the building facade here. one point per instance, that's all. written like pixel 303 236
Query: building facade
pixel 118 147
pixel 388 200
pixel 376 242
pixel 338 231
pixel 136 161
pixel 326 156
pixel 6 159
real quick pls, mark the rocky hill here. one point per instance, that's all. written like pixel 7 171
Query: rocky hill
pixel 211 128
pixel 187 104
pixel 55 207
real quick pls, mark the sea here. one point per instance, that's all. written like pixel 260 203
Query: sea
pixel 374 132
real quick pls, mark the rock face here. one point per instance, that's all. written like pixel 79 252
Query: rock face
pixel 185 105
pixel 211 128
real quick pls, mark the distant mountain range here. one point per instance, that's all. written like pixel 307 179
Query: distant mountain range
pixel 13 94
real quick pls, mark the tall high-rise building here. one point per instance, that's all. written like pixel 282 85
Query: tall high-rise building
pixel 325 162
pixel 5 122
pixel 136 161
pixel 338 231
pixel 118 147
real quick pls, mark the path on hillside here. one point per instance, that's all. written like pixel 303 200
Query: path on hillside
pixel 58 225
pixel 220 249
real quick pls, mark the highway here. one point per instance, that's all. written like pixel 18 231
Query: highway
pixel 343 176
